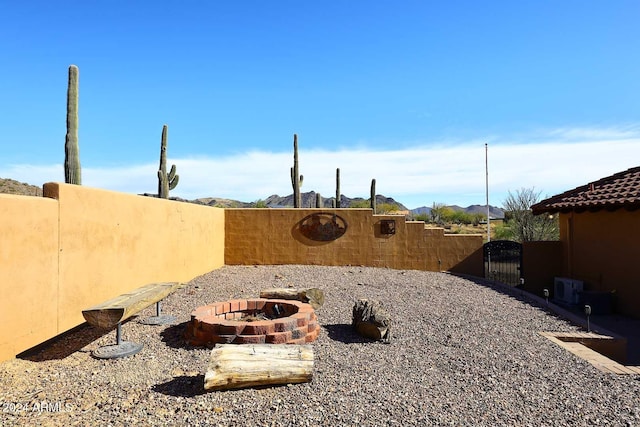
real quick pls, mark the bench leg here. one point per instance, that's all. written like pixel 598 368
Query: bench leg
pixel 120 349
pixel 159 318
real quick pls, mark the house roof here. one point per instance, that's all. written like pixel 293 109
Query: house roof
pixel 621 190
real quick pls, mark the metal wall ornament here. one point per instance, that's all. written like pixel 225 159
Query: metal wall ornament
pixel 322 227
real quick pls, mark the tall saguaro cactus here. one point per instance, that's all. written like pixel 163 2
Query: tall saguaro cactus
pixel 296 179
pixel 337 188
pixel 72 170
pixel 373 195
pixel 319 203
pixel 166 181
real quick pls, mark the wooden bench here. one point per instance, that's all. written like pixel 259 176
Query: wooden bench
pixel 113 312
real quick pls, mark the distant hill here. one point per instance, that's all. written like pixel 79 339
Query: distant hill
pixel 10 186
pixel 309 200
pixel 495 212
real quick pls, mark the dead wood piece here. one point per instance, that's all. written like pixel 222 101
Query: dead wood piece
pixel 371 320
pixel 234 366
pixel 108 314
pixel 313 296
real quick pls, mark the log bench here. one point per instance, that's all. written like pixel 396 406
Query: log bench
pixel 113 312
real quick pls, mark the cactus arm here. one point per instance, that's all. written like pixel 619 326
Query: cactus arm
pixel 173 178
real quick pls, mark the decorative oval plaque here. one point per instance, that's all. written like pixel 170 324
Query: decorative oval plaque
pixel 322 227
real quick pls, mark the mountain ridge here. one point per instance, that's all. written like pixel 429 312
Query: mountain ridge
pixel 308 199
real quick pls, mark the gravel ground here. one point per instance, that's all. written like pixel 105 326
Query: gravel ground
pixel 462 353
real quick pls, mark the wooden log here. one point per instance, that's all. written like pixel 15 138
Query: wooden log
pixel 108 314
pixel 234 366
pixel 313 296
pixel 371 320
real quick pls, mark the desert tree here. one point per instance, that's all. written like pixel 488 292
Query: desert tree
pixel 521 225
pixel 439 213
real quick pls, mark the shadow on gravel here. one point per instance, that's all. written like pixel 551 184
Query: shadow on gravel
pixel 182 386
pixel 63 345
pixel 344 333
pixel 618 324
pixel 173 335
pixel 512 291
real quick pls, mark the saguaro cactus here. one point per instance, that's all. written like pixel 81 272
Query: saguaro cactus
pixel 337 204
pixel 296 179
pixel 318 200
pixel 373 195
pixel 166 181
pixel 72 170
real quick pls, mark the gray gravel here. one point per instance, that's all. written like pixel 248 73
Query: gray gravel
pixel 462 353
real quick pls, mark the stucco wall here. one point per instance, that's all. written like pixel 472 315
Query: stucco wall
pixel 80 246
pixel 28 272
pixel 541 262
pixel 601 249
pixel 272 236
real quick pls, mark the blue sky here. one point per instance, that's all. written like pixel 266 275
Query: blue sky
pixel 407 93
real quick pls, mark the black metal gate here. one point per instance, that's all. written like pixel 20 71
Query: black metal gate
pixel 503 261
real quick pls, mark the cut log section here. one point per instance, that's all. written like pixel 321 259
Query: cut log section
pixel 108 314
pixel 313 296
pixel 371 320
pixel 234 366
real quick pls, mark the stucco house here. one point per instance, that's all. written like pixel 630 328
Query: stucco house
pixel 600 236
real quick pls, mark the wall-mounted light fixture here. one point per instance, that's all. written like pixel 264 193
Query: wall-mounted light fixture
pixel 388 226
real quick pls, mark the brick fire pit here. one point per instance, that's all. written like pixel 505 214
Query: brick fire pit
pixel 253 321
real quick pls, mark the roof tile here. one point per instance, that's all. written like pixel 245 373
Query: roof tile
pixel 616 191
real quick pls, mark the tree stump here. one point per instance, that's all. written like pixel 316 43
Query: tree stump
pixel 313 296
pixel 371 320
pixel 234 366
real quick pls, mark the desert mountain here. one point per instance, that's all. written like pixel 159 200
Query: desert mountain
pixel 494 212
pixel 309 200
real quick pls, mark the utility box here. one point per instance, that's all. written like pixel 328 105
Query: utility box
pixel 567 290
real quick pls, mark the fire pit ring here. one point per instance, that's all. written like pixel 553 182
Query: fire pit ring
pixel 253 321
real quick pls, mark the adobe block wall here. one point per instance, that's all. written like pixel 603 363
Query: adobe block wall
pixel 79 246
pixel 272 236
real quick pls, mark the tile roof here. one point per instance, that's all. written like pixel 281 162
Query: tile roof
pixel 621 190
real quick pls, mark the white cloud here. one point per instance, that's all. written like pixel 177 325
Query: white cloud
pixel 595 134
pixel 452 174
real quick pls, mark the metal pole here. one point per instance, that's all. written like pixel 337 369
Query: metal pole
pixel 118 334
pixel 486 166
